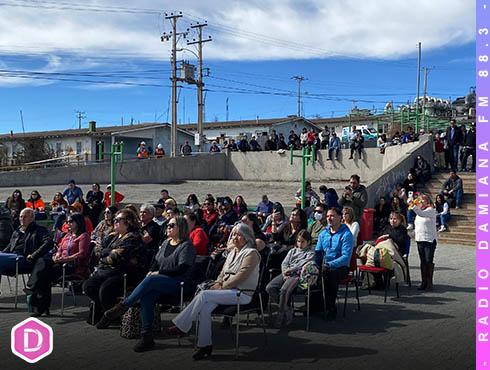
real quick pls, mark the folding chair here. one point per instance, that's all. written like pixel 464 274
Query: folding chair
pixel 255 306
pixel 385 273
pixel 352 277
pixel 17 273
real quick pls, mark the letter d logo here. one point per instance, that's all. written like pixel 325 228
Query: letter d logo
pixel 32 340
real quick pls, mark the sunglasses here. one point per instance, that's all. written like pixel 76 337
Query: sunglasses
pixel 119 219
pixel 70 221
pixel 171 226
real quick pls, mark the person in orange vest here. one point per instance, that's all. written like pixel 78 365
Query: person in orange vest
pixel 37 204
pixel 107 197
pixel 142 152
pixel 159 152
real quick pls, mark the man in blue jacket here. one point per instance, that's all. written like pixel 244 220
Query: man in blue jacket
pixel 334 251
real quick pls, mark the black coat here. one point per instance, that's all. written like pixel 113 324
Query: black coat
pixel 457 138
pixel 37 242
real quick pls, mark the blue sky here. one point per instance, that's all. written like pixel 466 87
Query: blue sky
pixel 105 58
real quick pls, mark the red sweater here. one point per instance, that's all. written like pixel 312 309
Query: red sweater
pixel 200 241
pixel 210 217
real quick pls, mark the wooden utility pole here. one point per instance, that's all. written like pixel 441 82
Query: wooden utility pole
pixel 200 82
pixel 80 116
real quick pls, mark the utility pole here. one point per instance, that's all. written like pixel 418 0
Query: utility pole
pixel 173 35
pixel 227 110
pixel 418 90
pixel 299 79
pixel 200 83
pixel 80 116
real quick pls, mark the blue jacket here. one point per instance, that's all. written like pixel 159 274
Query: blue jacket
pixel 336 249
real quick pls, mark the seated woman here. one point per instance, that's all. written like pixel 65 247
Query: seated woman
pixel 58 202
pixel 282 286
pixel 74 251
pixel 122 253
pixel 381 215
pixel 37 204
pixel 15 204
pixel 286 239
pixel 397 232
pixel 239 206
pixel 103 229
pixel 197 235
pixel 277 216
pixel 191 204
pixel 171 266
pixel 422 169
pixel 348 219
pixel 95 203
pixel 252 221
pixel 240 271
pixel 443 213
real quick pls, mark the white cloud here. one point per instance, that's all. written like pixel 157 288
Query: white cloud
pixel 241 30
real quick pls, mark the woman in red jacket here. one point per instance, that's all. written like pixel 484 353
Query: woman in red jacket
pixel 118 197
pixel 197 235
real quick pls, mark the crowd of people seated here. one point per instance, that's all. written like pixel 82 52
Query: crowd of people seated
pixel 128 257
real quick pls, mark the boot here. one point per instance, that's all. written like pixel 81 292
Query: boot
pixel 116 312
pixel 423 274
pixel 145 343
pixel 430 275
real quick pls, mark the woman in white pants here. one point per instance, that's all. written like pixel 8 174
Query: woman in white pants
pixel 240 271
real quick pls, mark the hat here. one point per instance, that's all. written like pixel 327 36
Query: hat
pixel 159 146
pixel 142 143
pixel 108 186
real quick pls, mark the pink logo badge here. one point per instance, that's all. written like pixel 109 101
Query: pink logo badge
pixel 32 340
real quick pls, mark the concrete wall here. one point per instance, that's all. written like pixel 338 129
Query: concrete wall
pixel 205 167
pixel 271 166
pixel 400 159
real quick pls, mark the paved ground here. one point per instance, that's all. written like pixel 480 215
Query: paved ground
pixel 251 191
pixel 417 331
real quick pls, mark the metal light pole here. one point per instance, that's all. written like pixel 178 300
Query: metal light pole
pixel 307 154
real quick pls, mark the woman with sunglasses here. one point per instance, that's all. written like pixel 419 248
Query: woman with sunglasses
pixel 122 253
pixel 171 266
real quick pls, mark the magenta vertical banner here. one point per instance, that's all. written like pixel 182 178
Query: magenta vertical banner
pixel 482 184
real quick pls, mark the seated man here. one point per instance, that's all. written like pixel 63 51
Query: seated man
pixel 264 208
pixel 453 189
pixel 28 243
pixel 320 223
pixel 334 251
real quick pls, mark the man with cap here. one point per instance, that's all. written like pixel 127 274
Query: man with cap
pixel 159 152
pixel 73 193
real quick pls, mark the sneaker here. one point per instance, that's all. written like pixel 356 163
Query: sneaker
pixel 442 229
pixel 410 227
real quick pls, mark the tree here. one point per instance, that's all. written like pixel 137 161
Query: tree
pixel 33 149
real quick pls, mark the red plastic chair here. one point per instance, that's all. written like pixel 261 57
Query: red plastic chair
pixel 352 277
pixel 379 270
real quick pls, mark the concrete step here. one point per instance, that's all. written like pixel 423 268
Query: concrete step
pixel 454 234
pixel 433 189
pixel 462 228
pixel 456 241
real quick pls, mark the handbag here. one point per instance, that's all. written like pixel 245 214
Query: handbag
pixel 131 323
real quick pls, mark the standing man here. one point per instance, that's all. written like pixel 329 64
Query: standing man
pixel 325 138
pixel 73 193
pixel 469 148
pixel 355 196
pixel 332 256
pixel 454 137
pixel 142 152
pixel 186 148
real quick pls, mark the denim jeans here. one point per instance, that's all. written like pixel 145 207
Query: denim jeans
pixel 443 219
pixel 147 294
pixel 458 197
pixel 454 156
pixel 7 264
pixel 410 216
